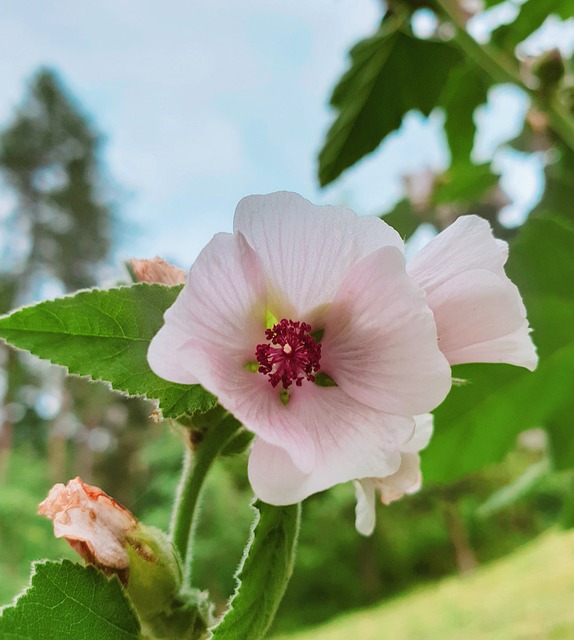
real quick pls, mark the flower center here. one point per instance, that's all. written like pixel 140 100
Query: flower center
pixel 291 354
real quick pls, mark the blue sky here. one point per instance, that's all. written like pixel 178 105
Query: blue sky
pixel 202 103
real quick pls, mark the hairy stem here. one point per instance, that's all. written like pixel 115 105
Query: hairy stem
pixel 197 462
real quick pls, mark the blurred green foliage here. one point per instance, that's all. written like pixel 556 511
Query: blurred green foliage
pixel 336 569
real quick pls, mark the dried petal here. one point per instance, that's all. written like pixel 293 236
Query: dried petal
pixel 156 270
pixel 93 523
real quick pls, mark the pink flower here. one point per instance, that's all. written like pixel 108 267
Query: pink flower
pixel 479 312
pixel 94 525
pixel 156 270
pixel 306 326
pixel 406 480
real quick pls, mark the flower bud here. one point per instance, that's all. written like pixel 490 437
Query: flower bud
pixel 156 271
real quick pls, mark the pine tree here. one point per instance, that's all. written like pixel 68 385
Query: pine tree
pixel 49 157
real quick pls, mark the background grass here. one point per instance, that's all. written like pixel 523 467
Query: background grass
pixel 529 595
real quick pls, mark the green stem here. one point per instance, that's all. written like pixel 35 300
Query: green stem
pixel 197 463
pixel 502 68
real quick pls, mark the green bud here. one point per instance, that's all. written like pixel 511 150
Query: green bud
pixel 549 69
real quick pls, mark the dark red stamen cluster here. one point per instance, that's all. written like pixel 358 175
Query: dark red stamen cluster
pixel 295 356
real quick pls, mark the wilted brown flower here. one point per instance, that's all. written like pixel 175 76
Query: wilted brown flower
pixel 93 523
pixel 156 270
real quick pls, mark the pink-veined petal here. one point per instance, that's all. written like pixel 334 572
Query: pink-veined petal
pixel 466 244
pixel 163 351
pixel 307 250
pixel 222 304
pixel 351 441
pixel 252 400
pixel 514 348
pixel 380 341
pixel 480 318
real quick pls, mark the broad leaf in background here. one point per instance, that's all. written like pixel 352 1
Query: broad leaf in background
pixel 464 184
pixel 558 195
pixel 466 89
pixel 479 421
pixel 463 188
pixel 263 574
pixel 532 15
pixel 405 218
pixel 391 73
pixel 66 601
pixel 104 335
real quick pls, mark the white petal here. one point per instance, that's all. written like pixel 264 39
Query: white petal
pixel 380 341
pixel 351 441
pixel 365 514
pixel 307 250
pixel 422 434
pixel 407 479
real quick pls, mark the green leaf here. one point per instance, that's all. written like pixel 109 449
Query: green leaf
pixel 391 73
pixel 512 493
pixel 66 601
pixel 532 15
pixel 478 423
pixel 263 574
pixel 404 219
pixel 558 193
pixel 467 88
pixel 104 335
pixel 464 183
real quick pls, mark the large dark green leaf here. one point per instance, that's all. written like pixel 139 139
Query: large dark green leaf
pixel 391 73
pixel 66 601
pixel 104 335
pixel 263 575
pixel 479 421
pixel 466 89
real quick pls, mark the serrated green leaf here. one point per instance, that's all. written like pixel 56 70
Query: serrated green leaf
pixel 104 335
pixel 263 574
pixel 391 73
pixel 478 423
pixel 66 601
